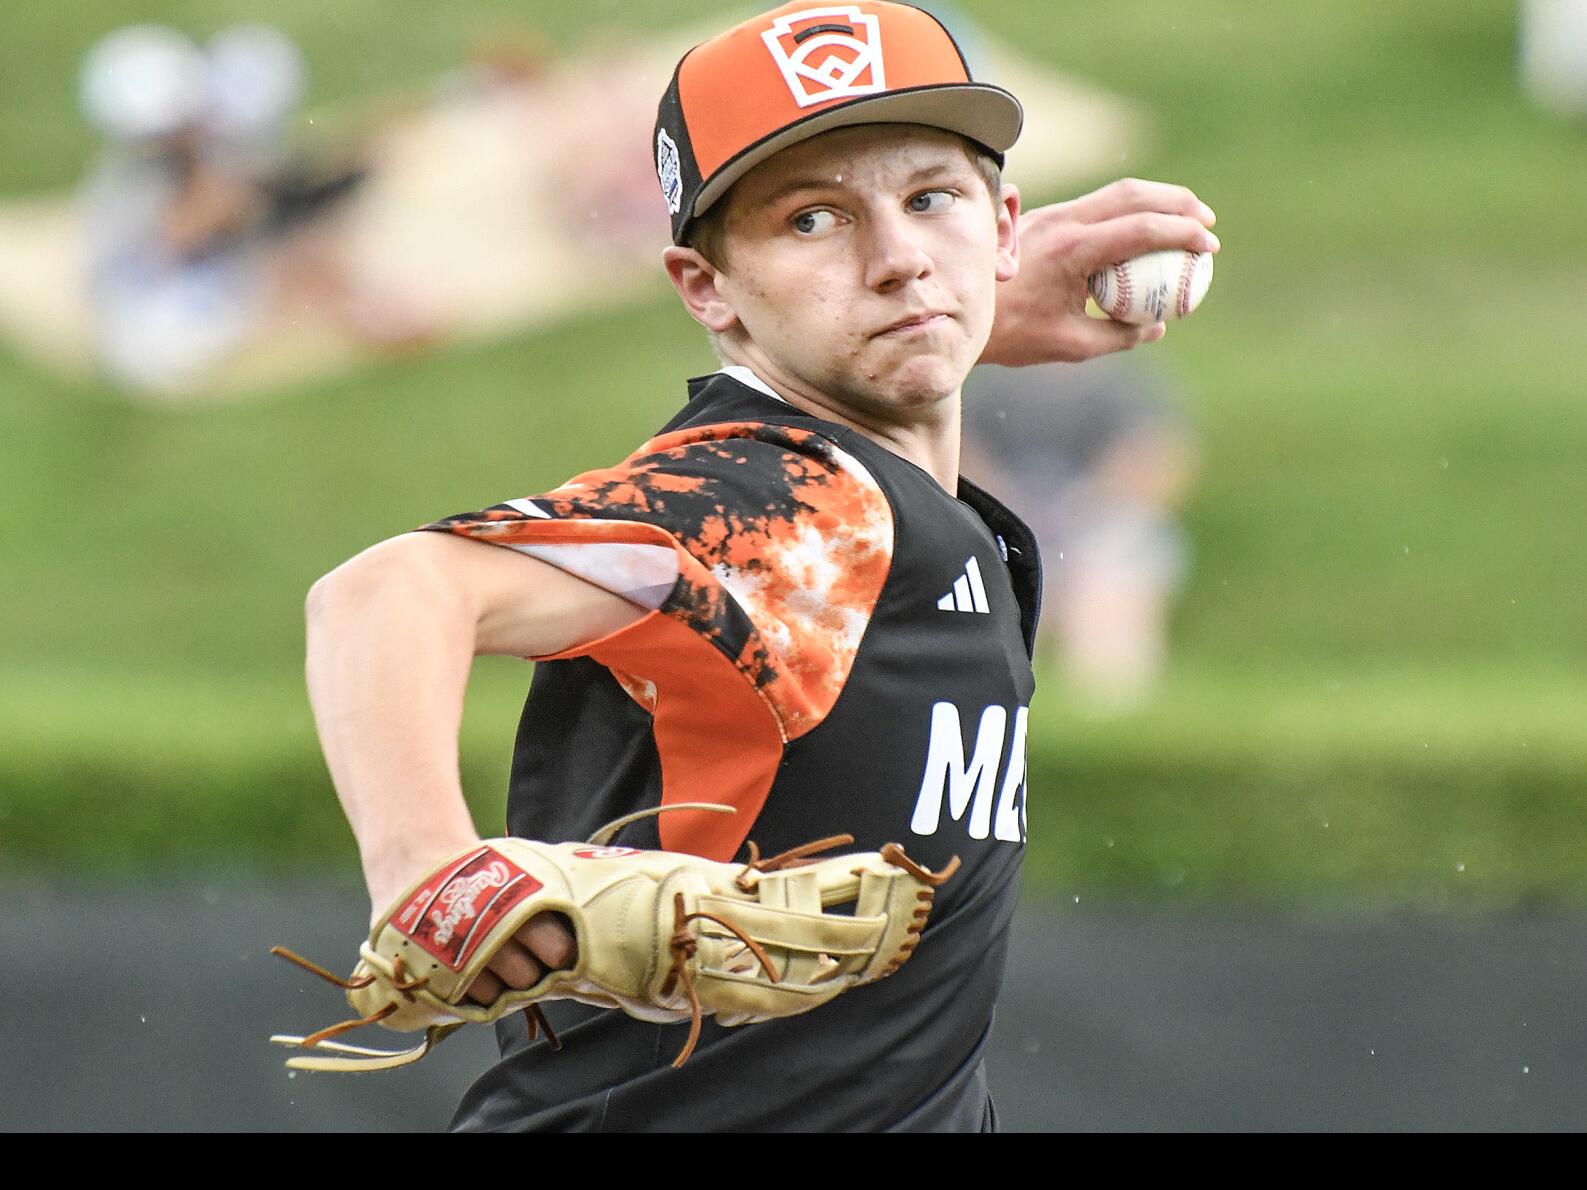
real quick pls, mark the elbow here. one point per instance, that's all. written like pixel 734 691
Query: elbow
pixel 396 572
pixel 320 594
pixel 352 585
pixel 329 592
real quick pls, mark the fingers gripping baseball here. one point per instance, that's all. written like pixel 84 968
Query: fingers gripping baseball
pixel 1041 313
pixel 1129 196
pixel 1126 236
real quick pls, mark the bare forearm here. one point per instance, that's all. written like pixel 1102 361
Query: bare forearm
pixel 391 637
pixel 387 666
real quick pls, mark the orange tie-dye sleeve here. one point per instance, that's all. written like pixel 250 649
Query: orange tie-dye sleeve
pixel 762 551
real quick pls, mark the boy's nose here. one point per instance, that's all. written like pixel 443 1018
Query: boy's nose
pixel 894 255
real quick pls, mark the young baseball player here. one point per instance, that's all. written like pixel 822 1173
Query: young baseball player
pixel 786 600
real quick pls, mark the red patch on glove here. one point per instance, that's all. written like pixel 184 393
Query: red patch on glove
pixel 451 913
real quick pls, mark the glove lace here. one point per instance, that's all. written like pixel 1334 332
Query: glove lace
pixel 794 857
pixel 894 854
pixel 536 1016
pixel 684 945
pixel 331 1031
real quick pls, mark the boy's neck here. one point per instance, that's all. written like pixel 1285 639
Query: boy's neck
pixel 932 444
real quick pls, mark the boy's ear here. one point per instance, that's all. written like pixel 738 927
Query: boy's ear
pixel 694 277
pixel 1008 233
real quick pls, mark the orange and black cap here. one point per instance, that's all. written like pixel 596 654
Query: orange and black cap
pixel 803 69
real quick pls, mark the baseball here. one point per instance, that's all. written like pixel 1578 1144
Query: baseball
pixel 1154 287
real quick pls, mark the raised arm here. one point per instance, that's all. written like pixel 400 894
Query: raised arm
pixel 391 637
pixel 1041 312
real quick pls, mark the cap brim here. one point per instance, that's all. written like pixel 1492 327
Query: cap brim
pixel 988 115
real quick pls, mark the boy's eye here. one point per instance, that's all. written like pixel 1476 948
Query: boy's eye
pixel 932 202
pixel 811 222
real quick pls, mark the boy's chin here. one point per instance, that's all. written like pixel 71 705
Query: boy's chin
pixel 923 382
pixel 909 395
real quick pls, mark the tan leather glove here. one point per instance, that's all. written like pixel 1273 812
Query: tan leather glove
pixel 661 935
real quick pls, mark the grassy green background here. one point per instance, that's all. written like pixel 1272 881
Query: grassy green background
pixel 1377 695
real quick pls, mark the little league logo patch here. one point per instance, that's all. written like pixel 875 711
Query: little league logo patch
pixel 669 170
pixel 827 53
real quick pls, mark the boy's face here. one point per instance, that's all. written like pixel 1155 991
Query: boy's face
pixel 862 268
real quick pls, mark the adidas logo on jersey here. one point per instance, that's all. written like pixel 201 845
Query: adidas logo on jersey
pixel 969 592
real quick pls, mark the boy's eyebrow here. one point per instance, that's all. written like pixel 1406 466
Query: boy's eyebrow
pixel 829 182
pixel 796 185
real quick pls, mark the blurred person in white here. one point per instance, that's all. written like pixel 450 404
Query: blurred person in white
pixel 1097 458
pixel 196 215
pixel 1552 42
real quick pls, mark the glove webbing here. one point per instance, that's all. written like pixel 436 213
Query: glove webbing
pixel 684 945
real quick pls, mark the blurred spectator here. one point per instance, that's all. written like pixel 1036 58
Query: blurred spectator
pixel 197 219
pixel 207 255
pixel 1097 458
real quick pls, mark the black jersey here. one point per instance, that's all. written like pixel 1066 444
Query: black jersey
pixel 835 645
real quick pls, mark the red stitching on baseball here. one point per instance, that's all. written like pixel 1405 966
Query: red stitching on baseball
pixel 1192 259
pixel 1123 294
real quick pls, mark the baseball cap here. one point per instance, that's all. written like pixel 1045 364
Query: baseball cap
pixel 804 69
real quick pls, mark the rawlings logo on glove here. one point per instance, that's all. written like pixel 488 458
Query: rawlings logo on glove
pixel 661 935
pixel 440 913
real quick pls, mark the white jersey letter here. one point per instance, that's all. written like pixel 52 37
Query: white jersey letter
pixel 1010 825
pixel 946 772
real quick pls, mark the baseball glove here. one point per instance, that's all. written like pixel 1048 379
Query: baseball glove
pixel 661 935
